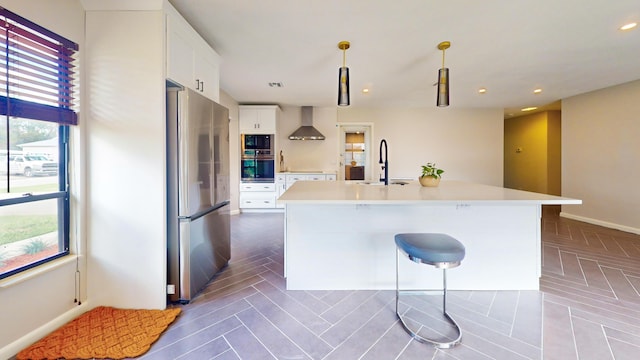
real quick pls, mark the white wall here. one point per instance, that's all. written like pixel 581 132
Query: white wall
pixel 601 156
pixel 466 143
pixel 234 153
pixel 44 297
pixel 126 158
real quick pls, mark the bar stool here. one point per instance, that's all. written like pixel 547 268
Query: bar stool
pixel 443 252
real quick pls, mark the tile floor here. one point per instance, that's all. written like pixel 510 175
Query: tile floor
pixel 588 307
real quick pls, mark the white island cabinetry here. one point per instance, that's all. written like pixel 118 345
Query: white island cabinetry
pixel 351 226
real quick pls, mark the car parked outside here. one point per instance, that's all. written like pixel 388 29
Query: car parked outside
pixel 30 165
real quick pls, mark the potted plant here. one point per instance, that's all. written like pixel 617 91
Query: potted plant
pixel 430 175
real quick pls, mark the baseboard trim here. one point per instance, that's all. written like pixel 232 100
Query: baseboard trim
pixel 11 350
pixel 601 223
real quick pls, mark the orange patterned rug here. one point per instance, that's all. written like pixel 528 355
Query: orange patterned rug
pixel 103 332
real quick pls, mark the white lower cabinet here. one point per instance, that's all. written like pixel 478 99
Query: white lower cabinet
pixel 257 195
pixel 265 195
pixel 257 201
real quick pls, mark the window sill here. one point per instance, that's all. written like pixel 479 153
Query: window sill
pixel 37 271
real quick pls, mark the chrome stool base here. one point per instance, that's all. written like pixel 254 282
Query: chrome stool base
pixel 438 344
pixel 444 266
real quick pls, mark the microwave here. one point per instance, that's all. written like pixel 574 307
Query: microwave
pixel 261 143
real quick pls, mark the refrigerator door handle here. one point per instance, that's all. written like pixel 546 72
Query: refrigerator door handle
pixel 204 212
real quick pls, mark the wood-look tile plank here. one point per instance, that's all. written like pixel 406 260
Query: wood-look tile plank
pixel 393 343
pixel 571 266
pixel 527 325
pixel 591 342
pixel 270 336
pixel 504 306
pixel 593 274
pixel 296 310
pixel 620 285
pixel 493 350
pixel 189 341
pixel 347 305
pixel 208 350
pixel 246 345
pixel 551 259
pixel 624 351
pixel 558 333
pixel 490 336
pixel 354 320
pixel 312 345
pixel 363 338
pixel 622 336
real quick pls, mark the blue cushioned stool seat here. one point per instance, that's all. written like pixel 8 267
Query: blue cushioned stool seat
pixel 443 252
pixel 431 248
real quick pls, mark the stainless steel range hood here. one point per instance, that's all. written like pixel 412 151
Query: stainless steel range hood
pixel 306 131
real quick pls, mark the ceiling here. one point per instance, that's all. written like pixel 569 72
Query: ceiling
pixel 509 47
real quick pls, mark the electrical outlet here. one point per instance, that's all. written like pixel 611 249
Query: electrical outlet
pixel 171 289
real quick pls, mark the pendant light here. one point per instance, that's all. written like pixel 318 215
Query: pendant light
pixel 443 78
pixel 343 76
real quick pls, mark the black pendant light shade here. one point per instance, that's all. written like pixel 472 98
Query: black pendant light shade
pixel 443 87
pixel 343 77
pixel 343 86
pixel 443 78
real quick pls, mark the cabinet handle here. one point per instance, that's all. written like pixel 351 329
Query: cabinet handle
pixel 199 85
pixel 202 86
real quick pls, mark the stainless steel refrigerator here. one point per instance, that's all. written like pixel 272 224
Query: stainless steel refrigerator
pixel 198 238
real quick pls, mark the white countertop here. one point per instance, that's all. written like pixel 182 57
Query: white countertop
pixel 344 192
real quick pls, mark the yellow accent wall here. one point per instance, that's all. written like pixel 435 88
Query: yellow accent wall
pixel 532 157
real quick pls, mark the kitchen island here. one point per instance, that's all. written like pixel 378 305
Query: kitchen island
pixel 339 235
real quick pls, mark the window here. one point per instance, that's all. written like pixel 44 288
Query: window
pixel 36 110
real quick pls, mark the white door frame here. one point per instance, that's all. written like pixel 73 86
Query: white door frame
pixel 367 129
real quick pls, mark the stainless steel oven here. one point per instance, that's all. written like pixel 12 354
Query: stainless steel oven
pixel 262 143
pixel 257 163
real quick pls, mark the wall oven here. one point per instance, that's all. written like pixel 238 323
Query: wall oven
pixel 257 163
pixel 257 142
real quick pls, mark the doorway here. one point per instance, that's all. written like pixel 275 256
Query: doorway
pixel 355 151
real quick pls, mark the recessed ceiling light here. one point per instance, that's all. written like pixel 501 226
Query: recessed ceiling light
pixel 365 91
pixel 276 84
pixel 628 26
pixel 537 91
pixel 482 90
pixel 529 108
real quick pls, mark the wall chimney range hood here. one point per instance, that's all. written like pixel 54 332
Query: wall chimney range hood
pixel 306 131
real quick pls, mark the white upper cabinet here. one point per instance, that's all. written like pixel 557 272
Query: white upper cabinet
pixel 258 119
pixel 191 62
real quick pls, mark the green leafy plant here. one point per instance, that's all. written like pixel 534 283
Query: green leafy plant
pixel 34 247
pixel 431 170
